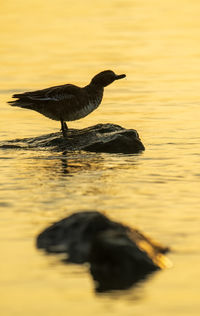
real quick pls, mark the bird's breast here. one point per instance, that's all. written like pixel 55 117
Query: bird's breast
pixel 84 108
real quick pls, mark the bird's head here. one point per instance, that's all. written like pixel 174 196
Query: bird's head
pixel 105 78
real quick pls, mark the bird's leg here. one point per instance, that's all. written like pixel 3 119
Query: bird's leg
pixel 65 125
pixel 64 128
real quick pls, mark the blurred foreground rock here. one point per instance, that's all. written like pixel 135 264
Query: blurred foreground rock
pixel 119 256
pixel 108 138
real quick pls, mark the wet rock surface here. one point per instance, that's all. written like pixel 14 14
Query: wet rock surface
pixel 119 256
pixel 108 138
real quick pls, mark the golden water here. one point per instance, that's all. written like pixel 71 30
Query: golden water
pixel 157 44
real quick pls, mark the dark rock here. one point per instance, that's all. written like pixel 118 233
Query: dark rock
pixel 116 262
pixel 108 138
pixel 119 256
pixel 75 234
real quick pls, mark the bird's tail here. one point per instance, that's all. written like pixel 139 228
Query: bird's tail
pixel 13 103
pixel 22 103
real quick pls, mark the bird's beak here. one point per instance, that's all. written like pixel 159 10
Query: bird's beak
pixel 120 77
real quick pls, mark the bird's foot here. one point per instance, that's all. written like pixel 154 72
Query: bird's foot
pixel 64 132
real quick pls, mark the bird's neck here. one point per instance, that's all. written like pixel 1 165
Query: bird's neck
pixel 94 93
pixel 94 88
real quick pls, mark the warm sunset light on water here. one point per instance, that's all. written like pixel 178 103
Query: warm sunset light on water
pixel 156 44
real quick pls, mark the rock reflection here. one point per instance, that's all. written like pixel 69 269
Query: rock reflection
pixel 119 256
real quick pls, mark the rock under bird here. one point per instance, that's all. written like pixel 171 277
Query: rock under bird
pixel 67 102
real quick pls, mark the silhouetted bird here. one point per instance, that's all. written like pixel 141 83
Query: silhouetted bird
pixel 67 102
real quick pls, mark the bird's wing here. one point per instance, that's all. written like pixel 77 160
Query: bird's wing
pixel 57 93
